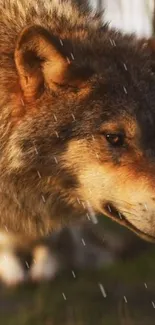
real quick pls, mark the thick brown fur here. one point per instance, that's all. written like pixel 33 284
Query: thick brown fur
pixel 66 83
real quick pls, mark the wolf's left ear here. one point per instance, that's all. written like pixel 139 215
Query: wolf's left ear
pixel 41 59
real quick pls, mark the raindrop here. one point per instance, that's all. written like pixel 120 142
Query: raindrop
pixel 102 290
pixel 39 175
pixel 72 56
pixel 92 213
pixel 125 299
pixel 56 160
pixel 108 206
pixel 43 198
pixel 55 117
pixel 125 67
pixel 125 90
pixel 27 264
pixel 83 242
pixel 153 304
pixel 64 296
pixel 74 275
pixel 57 134
pixel 145 285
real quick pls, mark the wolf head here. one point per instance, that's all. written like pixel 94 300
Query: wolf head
pixel 83 122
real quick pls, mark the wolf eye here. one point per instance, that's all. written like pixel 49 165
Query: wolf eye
pixel 116 140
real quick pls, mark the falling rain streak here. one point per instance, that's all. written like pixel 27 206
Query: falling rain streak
pixel 102 290
pixel 64 296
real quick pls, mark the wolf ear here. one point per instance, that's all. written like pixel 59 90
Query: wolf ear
pixel 41 59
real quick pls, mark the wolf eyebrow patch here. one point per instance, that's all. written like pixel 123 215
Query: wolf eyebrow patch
pixel 125 124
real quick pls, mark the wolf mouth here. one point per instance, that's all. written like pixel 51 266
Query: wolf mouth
pixel 117 216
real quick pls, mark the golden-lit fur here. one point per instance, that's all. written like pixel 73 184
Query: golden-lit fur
pixel 67 82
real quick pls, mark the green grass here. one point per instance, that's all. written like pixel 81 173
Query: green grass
pixel 44 304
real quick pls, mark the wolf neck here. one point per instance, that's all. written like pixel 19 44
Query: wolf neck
pixel 34 212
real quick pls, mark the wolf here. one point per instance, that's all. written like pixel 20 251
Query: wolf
pixel 77 130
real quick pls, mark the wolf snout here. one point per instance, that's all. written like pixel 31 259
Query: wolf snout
pixel 140 217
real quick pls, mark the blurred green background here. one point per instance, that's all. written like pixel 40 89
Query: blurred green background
pixel 120 293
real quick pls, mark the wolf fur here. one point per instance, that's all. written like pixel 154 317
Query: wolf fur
pixel 67 84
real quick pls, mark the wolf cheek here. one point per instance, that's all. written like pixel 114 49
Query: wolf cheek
pixel 124 193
